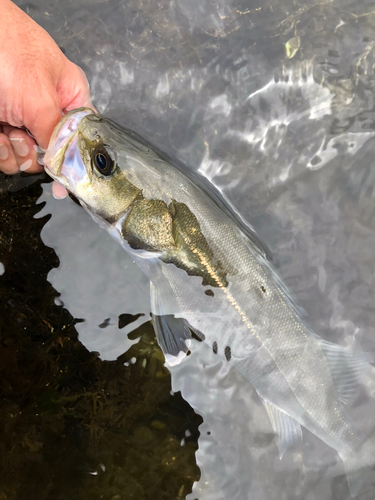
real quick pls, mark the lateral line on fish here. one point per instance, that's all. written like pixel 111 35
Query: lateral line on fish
pixel 217 280
pixel 232 300
pixel 246 320
pixel 283 300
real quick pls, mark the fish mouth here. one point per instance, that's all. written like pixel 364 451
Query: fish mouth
pixel 62 136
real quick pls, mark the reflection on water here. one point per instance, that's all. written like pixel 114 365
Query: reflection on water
pixel 273 102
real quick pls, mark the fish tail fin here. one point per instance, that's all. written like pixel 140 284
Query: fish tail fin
pixel 359 469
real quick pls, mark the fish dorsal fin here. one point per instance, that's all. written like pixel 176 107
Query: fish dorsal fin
pixel 171 332
pixel 287 430
pixel 346 368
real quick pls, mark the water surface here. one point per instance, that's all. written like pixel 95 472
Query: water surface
pixel 273 103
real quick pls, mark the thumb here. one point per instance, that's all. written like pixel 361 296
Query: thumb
pixel 42 117
pixel 73 89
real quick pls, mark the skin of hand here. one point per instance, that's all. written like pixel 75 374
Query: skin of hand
pixel 37 81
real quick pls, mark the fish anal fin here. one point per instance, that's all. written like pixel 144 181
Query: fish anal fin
pixel 287 430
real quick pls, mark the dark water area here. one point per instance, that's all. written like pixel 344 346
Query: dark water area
pixel 273 102
pixel 72 425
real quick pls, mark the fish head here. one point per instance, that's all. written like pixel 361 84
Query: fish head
pixel 83 155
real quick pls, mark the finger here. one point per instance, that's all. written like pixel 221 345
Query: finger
pixel 59 191
pixel 7 129
pixel 24 148
pixel 8 162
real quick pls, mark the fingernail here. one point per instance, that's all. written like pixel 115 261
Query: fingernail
pixel 20 146
pixel 4 153
pixel 26 165
pixel 59 191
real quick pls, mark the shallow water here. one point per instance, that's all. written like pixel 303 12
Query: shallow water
pixel 272 102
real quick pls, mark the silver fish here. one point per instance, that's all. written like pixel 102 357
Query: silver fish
pixel 211 281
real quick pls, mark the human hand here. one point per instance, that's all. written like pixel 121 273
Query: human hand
pixel 36 82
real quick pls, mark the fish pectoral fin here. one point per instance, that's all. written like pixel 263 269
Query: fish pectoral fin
pixel 287 430
pixel 171 332
pixel 347 368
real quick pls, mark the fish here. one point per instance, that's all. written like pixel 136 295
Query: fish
pixel 211 281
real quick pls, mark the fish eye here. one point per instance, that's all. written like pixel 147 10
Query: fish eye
pixel 103 162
